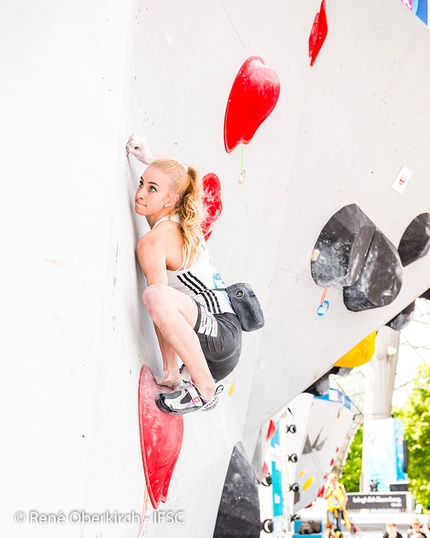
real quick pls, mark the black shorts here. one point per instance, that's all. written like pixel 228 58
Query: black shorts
pixel 220 338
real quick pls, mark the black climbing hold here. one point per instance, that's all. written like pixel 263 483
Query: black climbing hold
pixel 340 370
pixel 341 248
pixel 320 387
pixel 380 279
pixel 426 295
pixel 415 242
pixel 402 320
pixel 267 480
pixel 267 526
pixel 239 508
pixel 257 459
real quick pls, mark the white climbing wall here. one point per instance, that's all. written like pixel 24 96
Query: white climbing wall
pixel 322 425
pixel 78 78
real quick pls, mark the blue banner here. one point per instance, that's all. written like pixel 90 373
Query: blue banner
pixel 277 473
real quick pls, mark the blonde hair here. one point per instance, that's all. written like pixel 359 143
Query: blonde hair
pixel 187 185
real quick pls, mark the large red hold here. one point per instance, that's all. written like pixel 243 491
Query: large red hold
pixel 212 203
pixel 160 439
pixel 252 98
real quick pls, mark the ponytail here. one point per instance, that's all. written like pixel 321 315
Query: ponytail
pixel 186 183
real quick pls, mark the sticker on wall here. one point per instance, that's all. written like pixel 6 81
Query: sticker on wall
pixel 402 180
pixel 318 33
pixel 212 203
pixel 324 304
pixel 252 98
pixel 323 308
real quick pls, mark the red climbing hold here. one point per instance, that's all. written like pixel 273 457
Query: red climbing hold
pixel 160 439
pixel 318 33
pixel 252 98
pixel 212 203
pixel 271 430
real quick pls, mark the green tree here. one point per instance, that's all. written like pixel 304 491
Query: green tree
pixel 415 416
pixel 351 469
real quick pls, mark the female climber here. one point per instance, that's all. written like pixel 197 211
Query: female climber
pixel 192 315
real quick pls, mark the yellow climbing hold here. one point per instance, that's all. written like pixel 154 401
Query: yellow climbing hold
pixel 231 389
pixel 308 483
pixel 302 472
pixel 360 354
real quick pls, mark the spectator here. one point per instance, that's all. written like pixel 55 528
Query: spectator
pixel 373 485
pixel 337 498
pixel 391 531
pixel 331 531
pixel 415 530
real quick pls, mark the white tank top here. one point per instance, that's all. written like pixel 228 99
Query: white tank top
pixel 201 280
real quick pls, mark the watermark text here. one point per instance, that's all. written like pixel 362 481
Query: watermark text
pixel 80 517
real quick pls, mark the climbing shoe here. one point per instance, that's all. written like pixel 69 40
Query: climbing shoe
pixel 187 399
